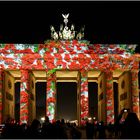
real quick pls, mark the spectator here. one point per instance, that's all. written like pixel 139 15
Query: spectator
pixel 34 130
pixel 75 133
pixel 131 127
pixel 101 129
pixel 47 129
pixel 89 130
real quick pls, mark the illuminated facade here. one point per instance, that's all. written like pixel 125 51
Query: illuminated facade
pixel 68 54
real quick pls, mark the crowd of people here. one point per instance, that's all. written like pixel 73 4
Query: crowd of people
pixel 127 129
pixel 47 130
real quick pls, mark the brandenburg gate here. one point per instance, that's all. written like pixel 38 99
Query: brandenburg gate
pixel 68 52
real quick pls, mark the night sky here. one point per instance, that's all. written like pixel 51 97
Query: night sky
pixel 105 22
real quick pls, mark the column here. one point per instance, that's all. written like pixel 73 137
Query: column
pixel 84 97
pixel 109 97
pixel 78 97
pixel 51 97
pixel 135 92
pixel 1 84
pixel 24 96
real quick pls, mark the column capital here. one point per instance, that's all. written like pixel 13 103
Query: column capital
pixel 134 70
pixel 83 73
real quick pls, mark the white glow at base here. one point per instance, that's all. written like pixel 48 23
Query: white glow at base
pixel 43 119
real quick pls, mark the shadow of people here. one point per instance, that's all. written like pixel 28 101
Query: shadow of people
pixel 9 130
pixel 89 130
pixel 131 127
pixel 101 129
pixel 117 125
pixel 34 130
pixel 47 129
pixel 75 133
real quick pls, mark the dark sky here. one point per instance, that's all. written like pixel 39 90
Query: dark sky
pixel 106 22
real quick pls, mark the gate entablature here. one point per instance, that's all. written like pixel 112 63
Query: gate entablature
pixel 73 55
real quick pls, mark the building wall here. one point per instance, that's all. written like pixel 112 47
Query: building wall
pixel 32 98
pixel 124 91
pixel 101 98
pixel 9 96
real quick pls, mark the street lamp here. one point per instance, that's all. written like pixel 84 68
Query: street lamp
pixel 42 119
pixel 89 118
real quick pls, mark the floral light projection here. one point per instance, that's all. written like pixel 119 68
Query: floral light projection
pixel 84 97
pixel 24 95
pixel 1 79
pixel 135 92
pixel 66 55
pixel 109 97
pixel 51 99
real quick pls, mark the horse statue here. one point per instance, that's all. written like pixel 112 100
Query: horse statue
pixel 80 35
pixel 54 34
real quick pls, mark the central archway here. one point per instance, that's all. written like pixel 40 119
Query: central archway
pixel 66 100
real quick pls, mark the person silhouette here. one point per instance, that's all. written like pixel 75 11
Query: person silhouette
pixel 89 130
pixel 131 127
pixel 33 130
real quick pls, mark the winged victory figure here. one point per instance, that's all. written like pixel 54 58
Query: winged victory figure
pixel 65 18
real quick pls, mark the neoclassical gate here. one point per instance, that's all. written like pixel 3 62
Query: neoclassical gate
pixel 67 52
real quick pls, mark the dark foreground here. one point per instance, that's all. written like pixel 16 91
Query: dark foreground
pixel 127 129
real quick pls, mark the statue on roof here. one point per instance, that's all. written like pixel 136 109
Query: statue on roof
pixel 54 34
pixel 80 35
pixel 65 18
pixel 66 33
pixel 60 32
pixel 72 32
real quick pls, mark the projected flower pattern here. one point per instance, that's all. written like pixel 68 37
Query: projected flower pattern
pixel 84 97
pixel 24 96
pixel 1 80
pixel 109 97
pixel 67 55
pixel 135 92
pixel 51 99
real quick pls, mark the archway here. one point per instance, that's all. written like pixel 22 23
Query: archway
pixel 40 100
pixel 93 99
pixel 17 101
pixel 66 100
pixel 116 94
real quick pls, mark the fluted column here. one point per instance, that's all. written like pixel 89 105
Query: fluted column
pixel 51 97
pixel 78 97
pixel 1 86
pixel 84 97
pixel 24 96
pixel 109 97
pixel 135 91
